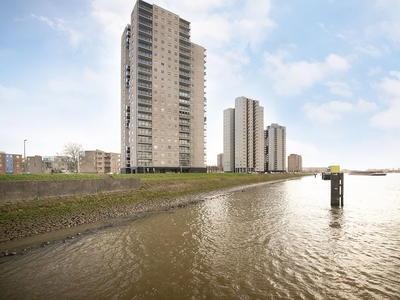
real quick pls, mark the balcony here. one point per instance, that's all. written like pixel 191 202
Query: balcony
pixel 144 124
pixel 184 108
pixel 144 101
pixel 184 129
pixel 144 38
pixel 185 60
pixel 144 116
pixel 184 116
pixel 185 74
pixel 144 30
pixel 143 163
pixel 183 52
pixel 145 85
pixel 185 163
pixel 144 140
pixel 184 25
pixel 144 93
pixel 187 47
pixel 144 155
pixel 184 39
pixel 144 131
pixel 184 122
pixel 182 94
pixel 184 67
pixel 143 61
pixel 145 54
pixel 184 150
pixel 184 33
pixel 184 143
pixel 143 22
pixel 144 148
pixel 144 77
pixel 144 15
pixel 185 88
pixel 184 102
pixel 184 136
pixel 144 108
pixel 145 46
pixel 142 69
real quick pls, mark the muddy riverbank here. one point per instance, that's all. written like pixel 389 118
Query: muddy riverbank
pixel 89 213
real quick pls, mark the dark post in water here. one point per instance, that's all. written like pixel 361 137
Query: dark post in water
pixel 337 189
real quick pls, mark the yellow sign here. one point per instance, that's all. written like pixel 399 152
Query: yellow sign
pixel 335 169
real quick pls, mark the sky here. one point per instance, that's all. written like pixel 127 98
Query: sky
pixel 328 70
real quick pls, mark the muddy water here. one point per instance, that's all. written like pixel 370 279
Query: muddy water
pixel 276 241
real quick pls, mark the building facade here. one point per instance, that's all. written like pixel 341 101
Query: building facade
pixel 275 148
pixel 48 164
pixel 163 104
pixel 220 160
pixel 99 162
pixel 11 163
pixel 295 163
pixel 243 137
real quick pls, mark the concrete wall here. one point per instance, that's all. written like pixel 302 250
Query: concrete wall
pixel 24 190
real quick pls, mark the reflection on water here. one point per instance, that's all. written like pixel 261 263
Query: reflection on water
pixel 277 241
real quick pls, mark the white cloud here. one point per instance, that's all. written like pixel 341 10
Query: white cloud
pixel 11 95
pixel 370 50
pixel 323 27
pixel 293 78
pixel 374 71
pixel 327 112
pixel 334 111
pixel 339 88
pixel 365 106
pixel 75 37
pixel 387 29
pixel 390 88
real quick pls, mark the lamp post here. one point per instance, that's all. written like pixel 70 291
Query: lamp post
pixel 25 156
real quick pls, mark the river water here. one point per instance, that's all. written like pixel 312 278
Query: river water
pixel 275 241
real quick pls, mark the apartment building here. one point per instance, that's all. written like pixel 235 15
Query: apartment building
pixel 275 148
pixel 295 163
pixel 163 104
pixel 99 162
pixel 48 164
pixel 243 137
pixel 11 163
pixel 220 160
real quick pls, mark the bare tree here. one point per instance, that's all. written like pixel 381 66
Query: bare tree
pixel 71 154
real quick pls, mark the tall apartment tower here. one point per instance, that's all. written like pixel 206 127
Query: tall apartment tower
pixel 163 104
pixel 229 141
pixel 295 163
pixel 243 136
pixel 275 148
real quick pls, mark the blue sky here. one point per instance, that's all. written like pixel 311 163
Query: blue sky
pixel 328 70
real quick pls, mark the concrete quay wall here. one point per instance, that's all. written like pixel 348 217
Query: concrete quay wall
pixel 25 190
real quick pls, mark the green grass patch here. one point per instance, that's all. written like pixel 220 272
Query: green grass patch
pixel 45 177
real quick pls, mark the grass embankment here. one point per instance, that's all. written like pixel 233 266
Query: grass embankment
pixel 26 218
pixel 44 177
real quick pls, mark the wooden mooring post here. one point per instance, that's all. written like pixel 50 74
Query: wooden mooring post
pixel 337 189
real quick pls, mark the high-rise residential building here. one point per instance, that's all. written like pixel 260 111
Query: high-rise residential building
pixel 163 104
pixel 229 140
pixel 243 137
pixel 275 148
pixel 99 162
pixel 295 163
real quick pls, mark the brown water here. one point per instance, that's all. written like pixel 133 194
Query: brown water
pixel 277 241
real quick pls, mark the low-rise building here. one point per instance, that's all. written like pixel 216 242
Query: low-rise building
pixel 10 163
pixel 99 162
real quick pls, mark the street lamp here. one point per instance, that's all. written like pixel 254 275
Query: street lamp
pixel 25 156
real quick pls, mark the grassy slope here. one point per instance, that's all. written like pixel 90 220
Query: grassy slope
pixel 23 215
pixel 44 177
